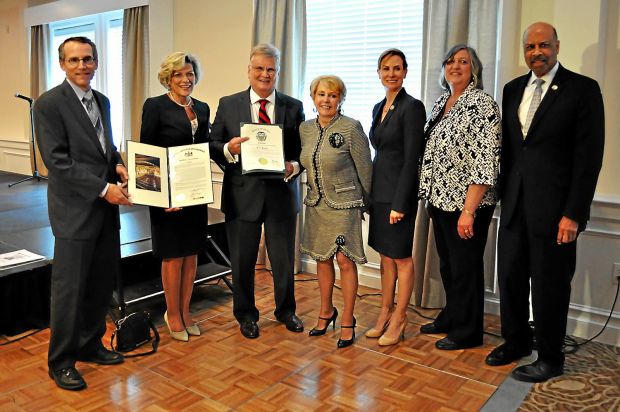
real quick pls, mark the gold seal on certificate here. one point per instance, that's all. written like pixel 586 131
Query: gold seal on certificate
pixel 169 177
pixel 264 151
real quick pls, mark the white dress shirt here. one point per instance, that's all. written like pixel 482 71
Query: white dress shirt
pixel 528 93
pixel 270 107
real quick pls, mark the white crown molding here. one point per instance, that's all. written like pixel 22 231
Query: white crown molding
pixel 68 9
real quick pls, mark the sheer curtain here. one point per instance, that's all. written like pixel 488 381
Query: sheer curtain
pixel 283 24
pixel 135 69
pixel 39 46
pixel 473 22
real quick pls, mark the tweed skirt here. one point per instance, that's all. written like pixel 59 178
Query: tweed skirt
pixel 328 231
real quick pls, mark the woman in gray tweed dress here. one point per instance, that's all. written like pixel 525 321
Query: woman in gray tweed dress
pixel 336 154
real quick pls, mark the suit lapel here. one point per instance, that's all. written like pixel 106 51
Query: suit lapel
pixel 107 125
pixel 81 116
pixel 376 121
pixel 552 93
pixel 280 110
pixel 513 110
pixel 245 112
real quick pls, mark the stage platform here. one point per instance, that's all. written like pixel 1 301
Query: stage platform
pixel 24 224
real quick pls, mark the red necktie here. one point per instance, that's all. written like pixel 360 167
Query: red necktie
pixel 263 117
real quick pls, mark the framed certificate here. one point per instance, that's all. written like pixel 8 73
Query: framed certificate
pixel 169 177
pixel 264 152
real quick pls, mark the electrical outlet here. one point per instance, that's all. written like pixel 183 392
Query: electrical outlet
pixel 615 274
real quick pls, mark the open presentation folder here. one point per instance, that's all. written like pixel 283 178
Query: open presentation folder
pixel 169 177
pixel 264 151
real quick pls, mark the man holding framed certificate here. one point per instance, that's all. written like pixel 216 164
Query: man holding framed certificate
pixel 268 193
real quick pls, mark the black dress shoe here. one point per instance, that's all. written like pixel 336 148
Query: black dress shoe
pixel 102 356
pixel 293 323
pixel 331 319
pixel 431 328
pixel 507 353
pixel 68 378
pixel 249 329
pixel 343 343
pixel 539 371
pixel 448 344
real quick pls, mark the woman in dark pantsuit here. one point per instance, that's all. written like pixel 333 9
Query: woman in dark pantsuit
pixel 458 176
pixel 178 234
pixel 397 137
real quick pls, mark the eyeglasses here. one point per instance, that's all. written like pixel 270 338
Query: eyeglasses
pixel 75 61
pixel 260 69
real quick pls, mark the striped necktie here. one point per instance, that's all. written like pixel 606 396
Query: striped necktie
pixel 533 105
pixel 263 117
pixel 95 120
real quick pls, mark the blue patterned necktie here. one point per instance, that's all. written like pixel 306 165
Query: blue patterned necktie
pixel 94 119
pixel 533 105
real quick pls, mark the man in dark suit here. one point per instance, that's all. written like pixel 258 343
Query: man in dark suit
pixel 552 150
pixel 72 124
pixel 250 200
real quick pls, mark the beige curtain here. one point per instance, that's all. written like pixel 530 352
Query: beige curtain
pixel 283 24
pixel 473 22
pixel 39 56
pixel 135 69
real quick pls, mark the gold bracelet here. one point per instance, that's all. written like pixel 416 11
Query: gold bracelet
pixel 470 213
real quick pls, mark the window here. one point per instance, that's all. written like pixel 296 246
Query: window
pixel 346 37
pixel 106 30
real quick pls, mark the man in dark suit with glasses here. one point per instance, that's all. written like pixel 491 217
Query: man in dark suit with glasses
pixel 72 123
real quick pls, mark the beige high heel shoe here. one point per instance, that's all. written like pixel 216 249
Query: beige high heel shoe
pixel 193 330
pixel 180 335
pixel 375 333
pixel 386 341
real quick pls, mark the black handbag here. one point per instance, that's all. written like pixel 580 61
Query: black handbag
pixel 133 331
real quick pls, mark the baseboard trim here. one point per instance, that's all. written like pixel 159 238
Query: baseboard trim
pixel 583 321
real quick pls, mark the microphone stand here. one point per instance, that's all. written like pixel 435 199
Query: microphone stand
pixel 35 172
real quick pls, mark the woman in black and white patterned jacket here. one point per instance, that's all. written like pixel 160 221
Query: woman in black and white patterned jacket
pixel 458 177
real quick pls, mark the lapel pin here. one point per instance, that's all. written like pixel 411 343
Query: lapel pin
pixel 392 107
pixel 554 87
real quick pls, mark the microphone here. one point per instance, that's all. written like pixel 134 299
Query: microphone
pixel 21 96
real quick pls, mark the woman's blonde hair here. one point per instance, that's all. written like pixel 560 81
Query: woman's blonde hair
pixel 331 81
pixel 176 61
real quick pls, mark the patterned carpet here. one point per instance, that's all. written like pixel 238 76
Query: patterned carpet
pixel 591 383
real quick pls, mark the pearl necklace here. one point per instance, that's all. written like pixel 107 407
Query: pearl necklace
pixel 188 104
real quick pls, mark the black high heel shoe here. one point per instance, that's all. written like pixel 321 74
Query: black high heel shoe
pixel 343 343
pixel 332 320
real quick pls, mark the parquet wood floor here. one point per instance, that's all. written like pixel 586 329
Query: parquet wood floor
pixel 279 371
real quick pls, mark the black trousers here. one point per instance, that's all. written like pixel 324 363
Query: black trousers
pixel 524 257
pixel 84 273
pixel 243 242
pixel 461 263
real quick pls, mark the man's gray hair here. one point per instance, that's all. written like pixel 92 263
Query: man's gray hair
pixel 266 49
